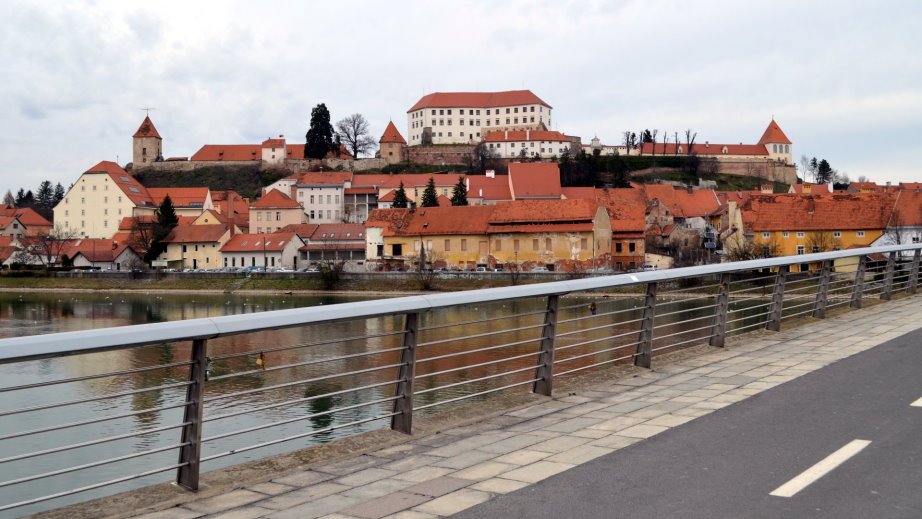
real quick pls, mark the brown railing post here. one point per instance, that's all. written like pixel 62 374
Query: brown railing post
pixel 544 385
pixel 914 272
pixel 822 291
pixel 887 292
pixel 774 316
pixel 719 331
pixel 191 452
pixel 403 422
pixel 858 290
pixel 644 354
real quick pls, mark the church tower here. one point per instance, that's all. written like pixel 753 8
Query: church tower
pixel 147 145
pixel 777 143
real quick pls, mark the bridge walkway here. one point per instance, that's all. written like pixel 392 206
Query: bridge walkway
pixel 443 474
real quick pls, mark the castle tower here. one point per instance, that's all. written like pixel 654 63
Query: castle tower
pixel 777 143
pixel 392 145
pixel 147 145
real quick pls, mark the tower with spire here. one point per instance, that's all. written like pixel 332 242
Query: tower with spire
pixel 777 143
pixel 147 146
pixel 392 145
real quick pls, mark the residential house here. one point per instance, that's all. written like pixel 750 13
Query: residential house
pixel 275 250
pixel 904 224
pixel 187 201
pixel 34 223
pixel 523 144
pixel 627 214
pixel 334 242
pixel 195 246
pixel 12 227
pixel 321 195
pixel 274 211
pixel 235 207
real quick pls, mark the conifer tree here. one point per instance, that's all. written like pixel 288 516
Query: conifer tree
pixel 320 135
pixel 459 193
pixel 44 198
pixel 430 197
pixel 58 194
pixel 166 220
pixel 400 198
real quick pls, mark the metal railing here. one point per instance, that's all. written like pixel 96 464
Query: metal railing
pixel 370 362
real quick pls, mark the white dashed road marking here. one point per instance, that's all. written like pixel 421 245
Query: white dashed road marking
pixel 825 466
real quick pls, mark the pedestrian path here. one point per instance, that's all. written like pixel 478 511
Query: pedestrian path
pixel 440 475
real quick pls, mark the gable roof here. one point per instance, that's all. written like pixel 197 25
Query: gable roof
pixel 129 185
pixel 814 189
pixel 275 199
pixel 324 178
pixel 147 129
pixel 338 232
pixel 391 134
pixel 303 230
pixel 235 152
pixel 526 135
pixel 26 215
pixel 196 233
pixel 838 211
pixel 180 196
pixel 273 242
pixel 543 211
pixel 907 211
pixel 488 189
pixel 477 99
pixel 626 207
pixel 774 135
pixel 534 180
pixel 428 221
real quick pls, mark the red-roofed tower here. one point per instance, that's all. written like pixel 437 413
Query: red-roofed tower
pixel 147 145
pixel 392 145
pixel 777 143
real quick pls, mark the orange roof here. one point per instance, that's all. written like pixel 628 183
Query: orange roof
pixel 700 202
pixel 127 183
pixel 274 143
pixel 908 209
pixel 534 180
pixel 235 152
pixel 95 249
pixel 525 135
pixel 274 242
pixel 325 178
pixel 275 199
pixel 430 221
pixel 180 196
pixel 222 200
pixel 303 230
pixel 578 192
pixel 339 231
pixel 627 209
pixel 392 135
pixel 6 241
pixel 147 129
pixel 369 179
pixel 543 211
pixel 28 216
pixel 196 233
pixel 838 211
pixel 7 220
pixel 706 149
pixel 774 135
pixel 294 151
pixel 815 189
pixel 477 99
pixel 492 189
pixel 387 218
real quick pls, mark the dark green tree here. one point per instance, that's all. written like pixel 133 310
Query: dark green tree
pixel 400 198
pixel 44 197
pixel 166 220
pixel 58 193
pixel 823 172
pixel 646 136
pixel 25 198
pixel 320 135
pixel 430 197
pixel 459 193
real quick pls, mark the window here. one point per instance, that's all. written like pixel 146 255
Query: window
pixel 462 122
pixel 774 148
pixel 337 199
pixel 532 109
pixel 785 234
pixel 447 245
pixel 185 248
pixel 507 120
pixel 449 111
pixel 787 148
pixel 463 244
pixel 534 244
pixel 82 200
pixel 278 216
pixel 449 122
pixel 515 245
pixel 547 244
pixel 631 247
pixel 312 199
pixel 860 234
pixel 329 199
pixel 441 112
pixel 488 111
pixel 800 234
pixel 800 249
pixel 312 215
pixel 461 111
pixel 259 216
pixel 618 247
pixel 816 248
pixel 499 245
pixel 837 234
pixel 584 244
pixel 329 214
pixel 449 133
pixel 105 223
pixel 433 112
pixel 507 110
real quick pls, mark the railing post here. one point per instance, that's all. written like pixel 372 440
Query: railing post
pixel 544 385
pixel 403 422
pixel 822 291
pixel 858 291
pixel 914 272
pixel 191 452
pixel 887 292
pixel 644 356
pixel 774 316
pixel 719 331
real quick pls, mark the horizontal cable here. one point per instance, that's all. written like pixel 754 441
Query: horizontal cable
pixel 472 395
pixel 94 377
pixel 296 436
pixel 687 311
pixel 750 280
pixel 301 382
pixel 597 364
pixel 801 305
pixel 602 314
pixel 673 345
pixel 593 353
pixel 298 419
pixel 300 400
pixel 478 321
pixel 686 300
pixel 591 341
pixel 478 350
pixel 302 364
pixel 797 314
pixel 481 335
pixel 305 344
pixel 740 328
pixel 95 398
pixel 679 290
pixel 595 328
pixel 480 379
pixel 763 314
pixel 92 421
pixel 683 332
pixel 478 365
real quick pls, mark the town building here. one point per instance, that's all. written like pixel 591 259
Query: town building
pixel 12 227
pixel 467 117
pixel 392 146
pixel 147 145
pixel 274 211
pixel 195 246
pixel 275 250
pixel 334 243
pixel 527 144
pixel 33 223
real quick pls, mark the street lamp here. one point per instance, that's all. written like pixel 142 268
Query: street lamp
pixel 265 261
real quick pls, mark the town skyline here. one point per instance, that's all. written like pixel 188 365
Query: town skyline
pixel 85 71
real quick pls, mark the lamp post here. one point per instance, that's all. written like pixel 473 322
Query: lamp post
pixel 265 261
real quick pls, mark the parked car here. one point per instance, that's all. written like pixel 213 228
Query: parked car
pixel 648 268
pixel 540 268
pixel 481 269
pixel 254 268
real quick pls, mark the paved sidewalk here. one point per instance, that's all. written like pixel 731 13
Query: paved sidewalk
pixel 440 475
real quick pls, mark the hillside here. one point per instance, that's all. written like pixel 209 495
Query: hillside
pixel 247 180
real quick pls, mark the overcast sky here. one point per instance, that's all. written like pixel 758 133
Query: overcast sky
pixel 843 79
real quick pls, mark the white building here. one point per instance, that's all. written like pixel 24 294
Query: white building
pixel 466 117
pixel 262 250
pixel 535 143
pixel 321 195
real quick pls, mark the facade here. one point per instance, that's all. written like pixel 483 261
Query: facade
pixel 34 223
pixel 274 211
pixel 276 250
pixel 467 117
pixel 524 144
pixel 321 195
pixel 392 146
pixel 626 212
pixel 195 246
pixel 187 201
pixel 147 145
pixel 12 227
pixel 336 242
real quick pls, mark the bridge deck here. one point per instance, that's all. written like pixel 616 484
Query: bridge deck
pixel 444 474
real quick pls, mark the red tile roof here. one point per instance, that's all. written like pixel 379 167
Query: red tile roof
pixel 147 129
pixel 392 135
pixel 137 193
pixel 543 211
pixel 534 180
pixel 6 241
pixel 908 209
pixel 774 135
pixel 369 179
pixel 95 250
pixel 28 216
pixel 360 191
pixel 428 221
pixel 681 203
pixel 489 189
pixel 274 143
pixel 7 220
pixel 303 230
pixel 706 149
pixel 324 178
pixel 334 246
pixel 815 189
pixel 338 231
pixel 627 209
pixel 196 233
pixel 275 199
pixel 477 99
pixel 274 242
pixel 838 211
pixel 388 219
pixel 180 196
pixel 588 193
pixel 225 152
pixel 525 135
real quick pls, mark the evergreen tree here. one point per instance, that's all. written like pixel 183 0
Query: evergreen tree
pixel 430 196
pixel 166 220
pixel 58 193
pixel 44 198
pixel 400 198
pixel 646 136
pixel 8 199
pixel 320 135
pixel 823 172
pixel 24 198
pixel 459 193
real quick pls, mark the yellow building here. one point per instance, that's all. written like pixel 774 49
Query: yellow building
pixel 274 211
pixel 195 246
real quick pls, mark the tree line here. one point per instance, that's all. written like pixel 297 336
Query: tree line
pixel 430 195
pixel 350 132
pixel 42 200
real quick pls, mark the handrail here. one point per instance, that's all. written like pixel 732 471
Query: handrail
pixel 87 341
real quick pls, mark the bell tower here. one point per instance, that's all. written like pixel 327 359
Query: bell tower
pixel 777 143
pixel 147 146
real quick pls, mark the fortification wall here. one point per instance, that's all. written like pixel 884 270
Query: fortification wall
pixel 442 154
pixel 759 168
pixel 291 164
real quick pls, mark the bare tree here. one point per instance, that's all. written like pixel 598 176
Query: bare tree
pixel 483 158
pixel 689 140
pixel 353 133
pixel 48 247
pixel 514 268
pixel 740 250
pixel 804 166
pixel 862 178
pixel 821 241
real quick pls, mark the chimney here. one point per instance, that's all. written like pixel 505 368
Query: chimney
pixel 491 173
pixel 527 134
pixel 505 134
pixel 706 144
pixel 467 184
pixel 480 192
pixel 689 189
pixel 807 189
pixel 888 183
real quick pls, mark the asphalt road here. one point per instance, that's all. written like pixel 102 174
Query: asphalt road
pixel 726 464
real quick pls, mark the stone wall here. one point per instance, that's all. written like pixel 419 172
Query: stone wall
pixel 442 154
pixel 290 164
pixel 759 168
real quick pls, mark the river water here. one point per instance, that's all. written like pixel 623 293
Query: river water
pixel 38 313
